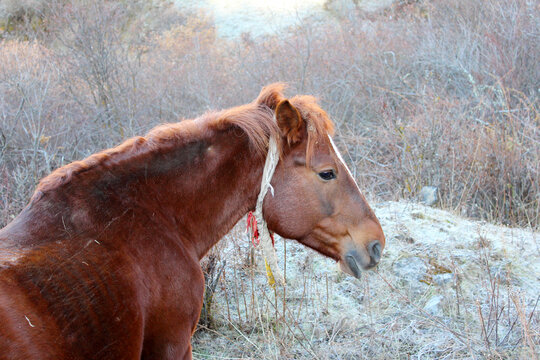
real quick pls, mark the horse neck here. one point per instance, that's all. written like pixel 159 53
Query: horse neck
pixel 222 187
pixel 193 193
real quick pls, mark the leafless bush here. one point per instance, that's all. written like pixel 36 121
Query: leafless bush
pixel 19 16
pixel 426 93
pixel 33 137
pixel 442 95
pixel 212 270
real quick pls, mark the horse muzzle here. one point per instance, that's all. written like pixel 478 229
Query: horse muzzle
pixel 354 261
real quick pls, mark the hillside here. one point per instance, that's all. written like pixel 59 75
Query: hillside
pixel 447 287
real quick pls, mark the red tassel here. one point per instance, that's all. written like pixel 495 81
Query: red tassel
pixel 254 231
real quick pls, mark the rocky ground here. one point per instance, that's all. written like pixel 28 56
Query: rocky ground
pixel 447 288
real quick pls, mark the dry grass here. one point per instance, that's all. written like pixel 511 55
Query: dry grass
pixel 424 93
pixel 447 288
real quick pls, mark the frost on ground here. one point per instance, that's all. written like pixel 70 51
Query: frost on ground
pixel 446 288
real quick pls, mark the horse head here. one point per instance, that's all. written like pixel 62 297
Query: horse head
pixel 316 200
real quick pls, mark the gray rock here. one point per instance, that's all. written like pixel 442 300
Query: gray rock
pixel 429 195
pixel 443 279
pixel 411 269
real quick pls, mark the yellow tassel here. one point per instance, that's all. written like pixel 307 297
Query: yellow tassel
pixel 269 274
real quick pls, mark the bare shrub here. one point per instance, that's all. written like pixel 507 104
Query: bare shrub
pixel 425 93
pixel 212 270
pixel 32 133
pixel 441 95
pixel 18 17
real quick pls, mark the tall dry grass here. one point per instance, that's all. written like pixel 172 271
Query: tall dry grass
pixel 463 299
pixel 441 93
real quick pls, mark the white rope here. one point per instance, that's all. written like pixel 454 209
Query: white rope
pixel 272 268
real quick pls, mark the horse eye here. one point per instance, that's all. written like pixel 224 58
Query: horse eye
pixel 327 175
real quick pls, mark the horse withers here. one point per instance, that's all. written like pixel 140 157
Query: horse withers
pixel 103 263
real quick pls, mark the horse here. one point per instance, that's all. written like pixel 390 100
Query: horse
pixel 103 262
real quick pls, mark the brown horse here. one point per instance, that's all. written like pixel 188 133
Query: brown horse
pixel 105 257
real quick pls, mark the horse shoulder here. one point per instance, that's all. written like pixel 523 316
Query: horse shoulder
pixel 177 285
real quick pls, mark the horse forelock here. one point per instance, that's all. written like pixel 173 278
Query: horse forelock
pixel 318 122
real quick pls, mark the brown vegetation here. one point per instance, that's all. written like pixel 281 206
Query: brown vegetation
pixel 430 93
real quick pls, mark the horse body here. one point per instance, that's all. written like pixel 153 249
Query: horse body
pixel 118 269
pixel 104 261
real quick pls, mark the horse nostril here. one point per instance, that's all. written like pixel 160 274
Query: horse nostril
pixel 350 259
pixel 374 250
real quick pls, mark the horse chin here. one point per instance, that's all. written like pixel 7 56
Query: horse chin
pixel 346 268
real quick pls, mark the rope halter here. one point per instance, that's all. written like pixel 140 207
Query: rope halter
pixel 270 259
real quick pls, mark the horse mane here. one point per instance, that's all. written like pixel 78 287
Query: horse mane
pixel 255 119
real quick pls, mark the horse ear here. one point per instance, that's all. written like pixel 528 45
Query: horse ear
pixel 289 122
